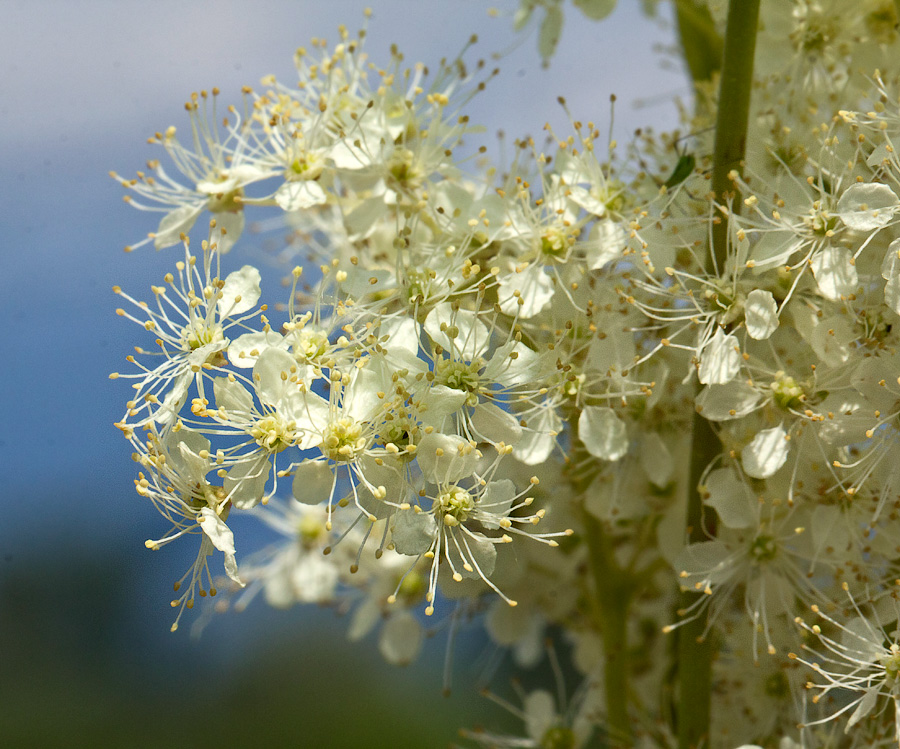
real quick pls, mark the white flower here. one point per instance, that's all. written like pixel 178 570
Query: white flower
pixel 462 522
pixel 217 169
pixel 192 325
pixel 862 658
pixel 178 464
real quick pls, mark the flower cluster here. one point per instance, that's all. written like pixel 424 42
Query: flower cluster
pixel 489 364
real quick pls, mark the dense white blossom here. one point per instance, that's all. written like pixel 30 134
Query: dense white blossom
pixel 498 390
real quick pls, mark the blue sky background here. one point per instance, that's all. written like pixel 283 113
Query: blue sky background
pixel 82 85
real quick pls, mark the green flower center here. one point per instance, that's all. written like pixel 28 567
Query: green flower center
pixel 876 328
pixel 417 286
pixel 786 392
pixel 413 587
pixel 455 504
pixel 309 530
pixel 555 242
pixel 343 440
pixel 401 434
pixel 726 302
pixel 306 166
pixel 458 375
pixel 558 737
pixel 891 663
pixel 764 548
pixel 310 345
pixel 402 168
pixel 199 334
pixel 273 434
pixel 882 23
pixel 819 221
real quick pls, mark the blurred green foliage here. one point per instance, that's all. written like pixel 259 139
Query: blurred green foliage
pixel 88 662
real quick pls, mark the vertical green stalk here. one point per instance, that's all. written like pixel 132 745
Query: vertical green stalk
pixel 735 87
pixel 695 645
pixel 614 588
pixel 701 44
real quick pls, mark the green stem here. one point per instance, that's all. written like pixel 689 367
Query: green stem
pixel 695 643
pixel 614 589
pixel 695 647
pixel 701 43
pixel 735 87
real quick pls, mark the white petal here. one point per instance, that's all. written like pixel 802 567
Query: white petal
pixel 401 349
pixel 174 224
pixel 216 530
pixel 766 453
pixel 232 396
pixel 539 438
pixel 245 482
pixel 401 639
pixel 231 226
pixel 656 460
pixel 707 559
pixel 535 289
pixel 760 314
pixel 231 569
pixel 481 555
pixel 184 448
pixel 313 481
pixel 494 425
pixel 412 532
pixel 174 399
pixel 833 339
pixel 603 433
pixel 540 714
pixel 446 458
pixel 360 400
pixel 513 363
pixel 314 579
pixel 720 360
pixel 596 10
pixel 438 402
pixel 724 402
pixel 497 500
pixel 605 243
pixel 732 499
pixel 864 207
pixel 461 331
pixel 890 272
pixel 868 701
pixel 292 196
pixel 240 293
pixel 835 272
pixel 245 349
pixel 363 219
pixel 272 374
pixel 364 619
pixel 551 28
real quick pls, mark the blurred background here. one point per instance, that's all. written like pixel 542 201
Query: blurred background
pixel 86 656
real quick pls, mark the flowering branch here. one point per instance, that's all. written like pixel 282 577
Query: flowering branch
pixel 486 362
pixel 695 646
